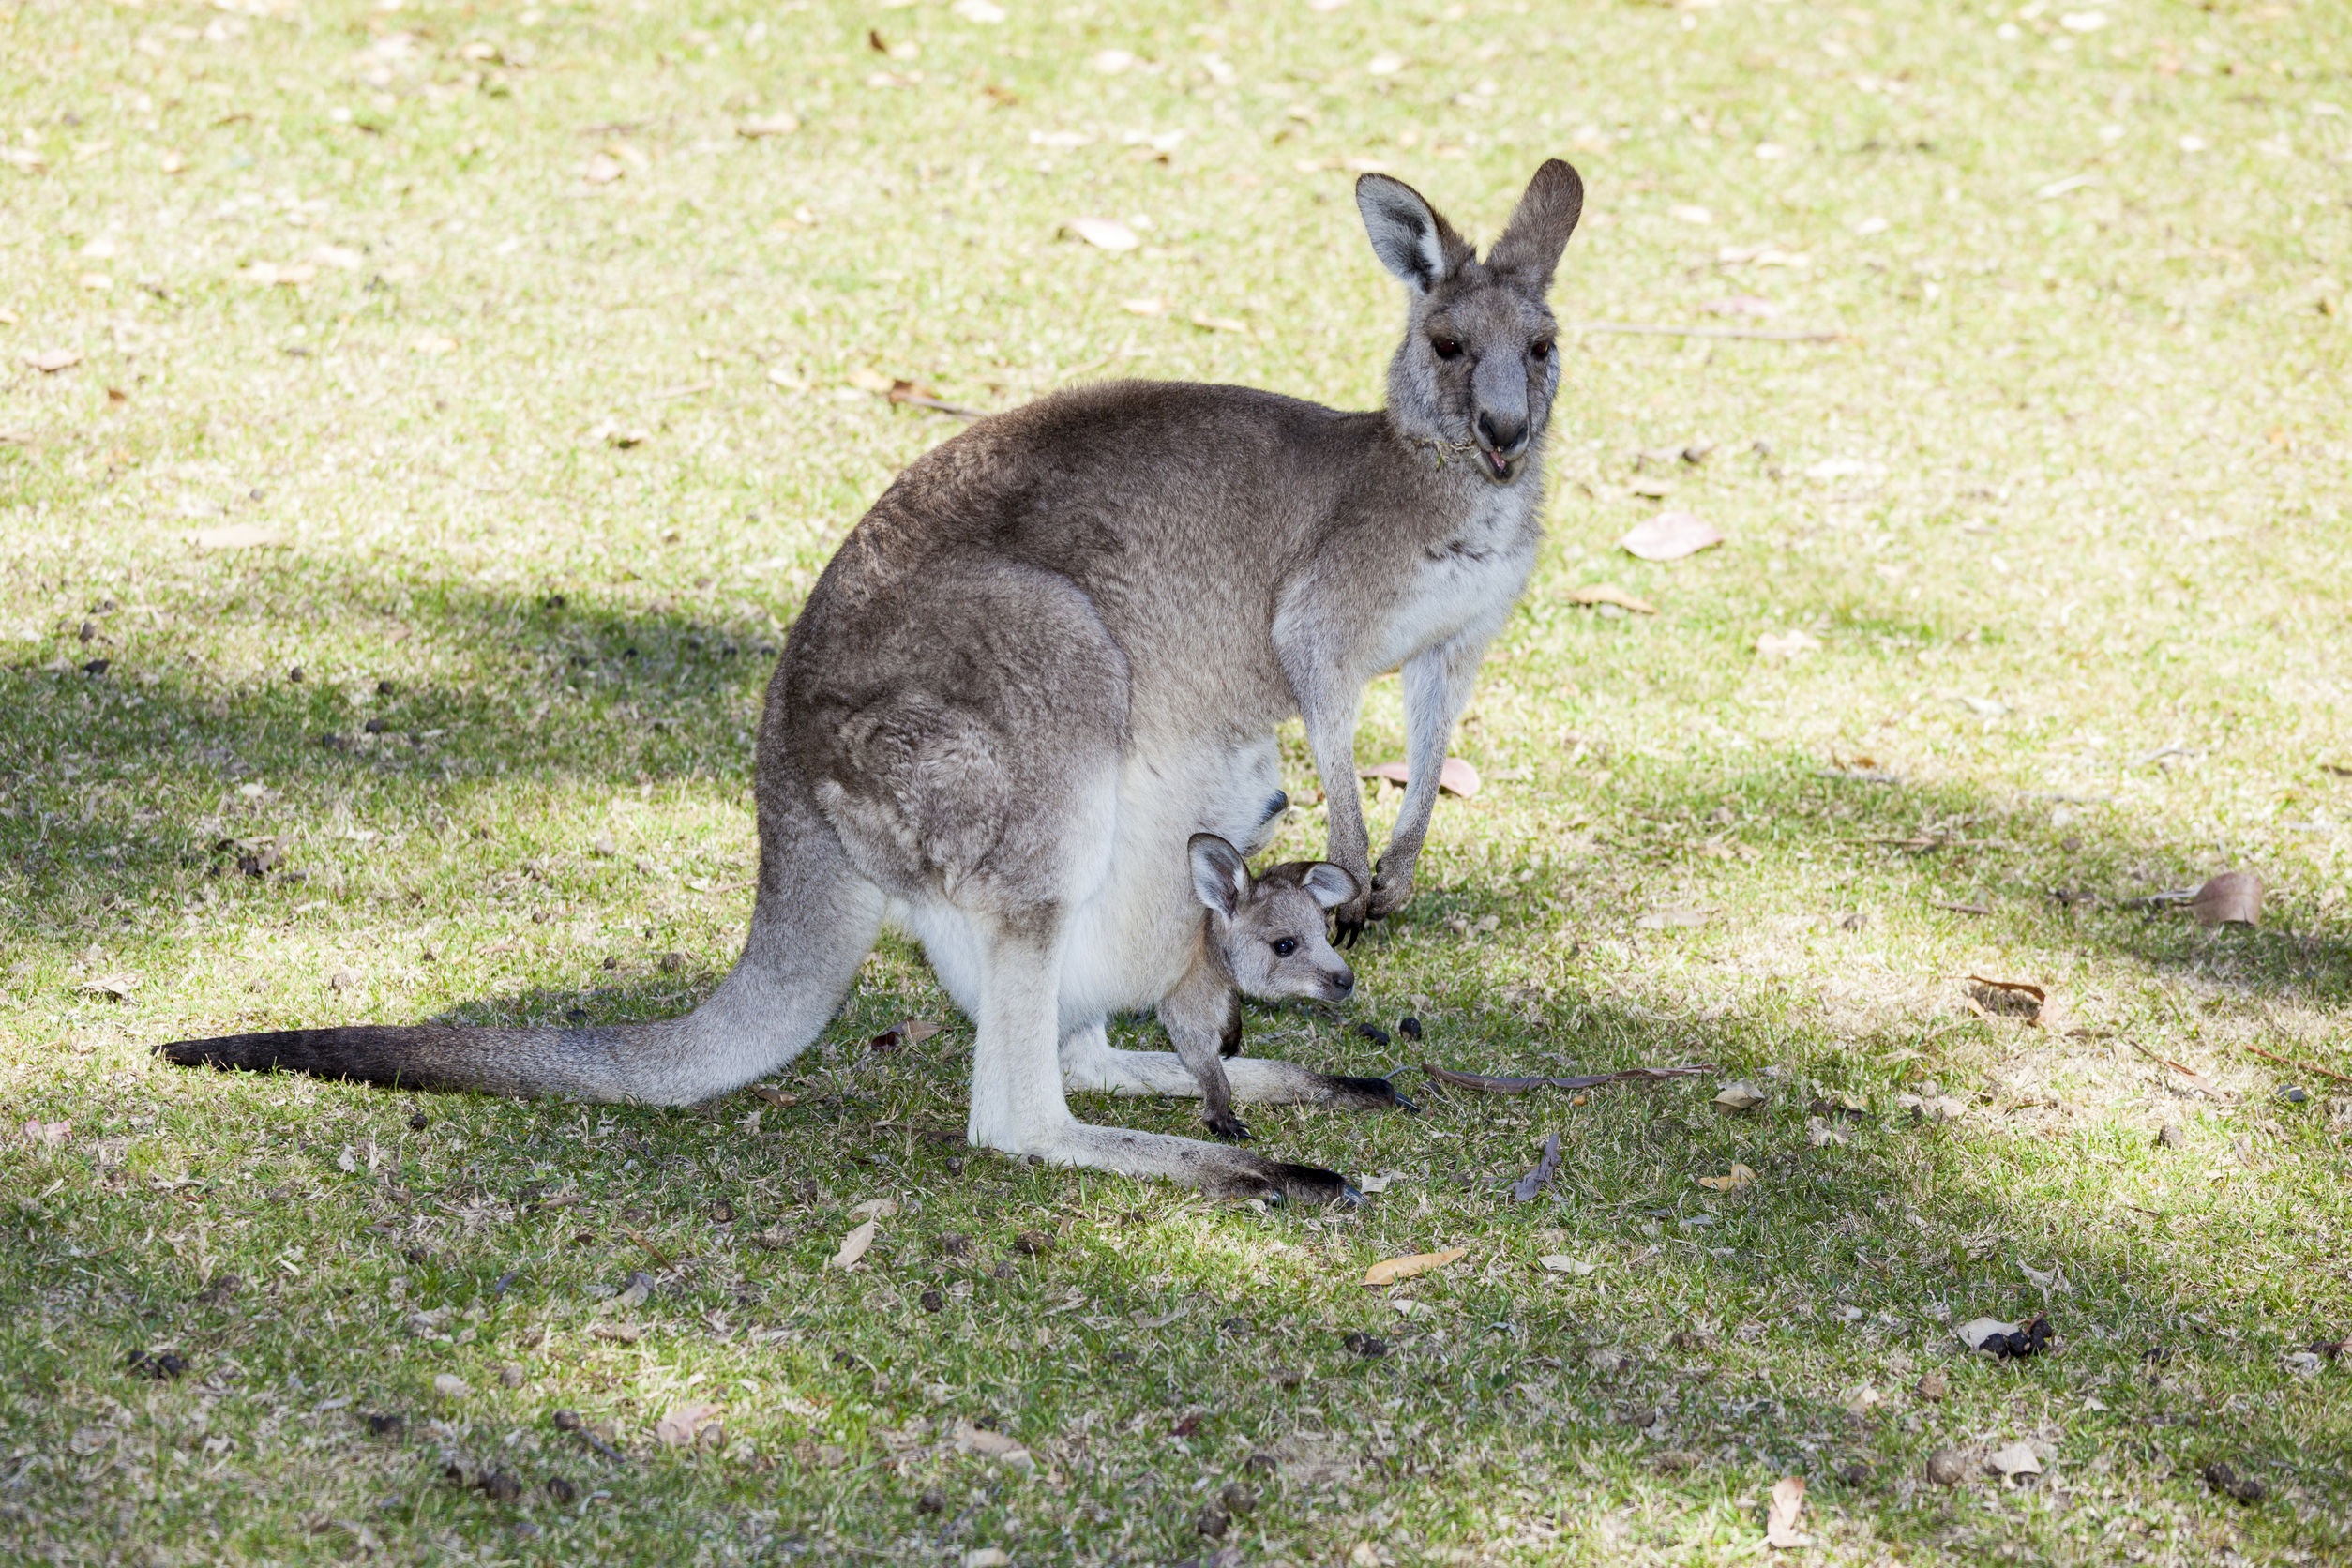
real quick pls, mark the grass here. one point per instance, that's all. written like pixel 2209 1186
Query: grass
pixel 2065 511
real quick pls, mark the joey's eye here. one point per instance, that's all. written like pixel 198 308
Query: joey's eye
pixel 1287 946
pixel 1539 351
pixel 1446 348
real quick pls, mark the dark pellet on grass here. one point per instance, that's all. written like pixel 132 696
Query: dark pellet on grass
pixel 295 676
pixel 1032 1243
pixel 1259 1464
pixel 163 1366
pixel 1237 1498
pixel 419 1122
pixel 1373 1032
pixel 383 1423
pixel 934 1301
pixel 722 1212
pixel 1410 1027
pixel 385 688
pixel 1212 1522
pixel 1005 1270
pixel 1365 1344
pixel 2226 1480
pixel 933 1501
pixel 500 1486
pixel 559 1491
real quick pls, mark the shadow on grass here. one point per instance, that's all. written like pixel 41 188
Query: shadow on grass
pixel 1717 1343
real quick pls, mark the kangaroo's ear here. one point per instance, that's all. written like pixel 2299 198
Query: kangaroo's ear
pixel 1220 876
pixel 1540 225
pixel 1331 885
pixel 1409 237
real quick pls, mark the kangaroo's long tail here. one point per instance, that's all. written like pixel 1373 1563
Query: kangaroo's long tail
pixel 814 922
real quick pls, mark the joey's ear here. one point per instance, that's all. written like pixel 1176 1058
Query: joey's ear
pixel 1540 225
pixel 1408 235
pixel 1219 874
pixel 1331 885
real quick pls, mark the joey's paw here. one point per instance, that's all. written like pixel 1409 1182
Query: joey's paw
pixel 1227 1127
pixel 1392 890
pixel 1348 920
pixel 1366 1094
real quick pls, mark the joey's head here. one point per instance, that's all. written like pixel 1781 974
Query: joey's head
pixel 1270 930
pixel 1479 362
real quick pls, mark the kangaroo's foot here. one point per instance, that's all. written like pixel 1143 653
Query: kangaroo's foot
pixel 1224 1125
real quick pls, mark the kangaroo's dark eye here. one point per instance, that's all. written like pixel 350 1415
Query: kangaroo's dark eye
pixel 1447 347
pixel 1287 946
pixel 1539 351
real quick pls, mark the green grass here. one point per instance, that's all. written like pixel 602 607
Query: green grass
pixel 2083 603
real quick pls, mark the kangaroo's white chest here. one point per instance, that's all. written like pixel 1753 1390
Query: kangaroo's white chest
pixel 1469 581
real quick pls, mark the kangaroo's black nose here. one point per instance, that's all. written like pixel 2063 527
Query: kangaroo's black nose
pixel 1502 435
pixel 1344 982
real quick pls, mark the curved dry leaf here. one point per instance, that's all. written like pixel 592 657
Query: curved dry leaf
pixel 1455 778
pixel 1609 593
pixel 1389 1270
pixel 2232 898
pixel 50 361
pixel 854 1246
pixel 1740 1095
pixel 876 1208
pixel 685 1424
pixel 1671 537
pixel 1526 1187
pixel 1560 1262
pixel 1105 234
pixel 1739 1177
pixel 1674 919
pixel 782 122
pixel 2016 1459
pixel 2021 1000
pixel 1787 644
pixel 1780 1520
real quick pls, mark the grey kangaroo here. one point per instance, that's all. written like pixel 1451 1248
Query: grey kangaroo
pixel 1264 937
pixel 1058 646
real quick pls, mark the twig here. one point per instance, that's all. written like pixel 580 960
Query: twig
pixel 1754 333
pixel 2300 1067
pixel 919 400
pixel 646 1241
pixel 1959 909
pixel 2203 1085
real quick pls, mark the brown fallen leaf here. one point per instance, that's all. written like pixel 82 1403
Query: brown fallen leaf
pixel 50 361
pixel 1609 593
pixel 2014 1461
pixel 1674 918
pixel 854 1246
pixel 1739 1177
pixel 782 122
pixel 617 1334
pixel 1149 306
pixel 1780 1519
pixel 2021 1000
pixel 1740 1095
pixel 876 1208
pixel 906 1032
pixel 688 1425
pixel 1526 1187
pixel 775 1096
pixel 1521 1085
pixel 1457 778
pixel 116 985
pixel 2232 898
pixel 1389 1270
pixel 1671 537
pixel 1219 323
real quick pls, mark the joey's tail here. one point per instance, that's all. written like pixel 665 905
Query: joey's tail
pixel 813 925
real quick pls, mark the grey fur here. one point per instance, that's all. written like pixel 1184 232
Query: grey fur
pixel 1058 646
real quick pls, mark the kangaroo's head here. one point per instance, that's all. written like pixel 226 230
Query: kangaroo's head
pixel 1268 929
pixel 1479 361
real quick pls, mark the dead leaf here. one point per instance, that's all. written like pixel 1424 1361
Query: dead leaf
pixel 775 1096
pixel 1560 1262
pixel 1780 1520
pixel 1674 918
pixel 1219 323
pixel 781 123
pixel 2232 898
pixel 48 1135
pixel 291 275
pixel 876 1208
pixel 450 1386
pixel 2021 1000
pixel 1455 778
pixel 1740 1095
pixel 434 344
pixel 1105 234
pixel 618 1334
pixel 1526 1187
pixel 603 169
pixel 2016 1460
pixel 50 361
pixel 2047 1280
pixel 1787 644
pixel 1389 1270
pixel 1671 537
pixel 239 535
pixel 1976 1330
pixel 854 1246
pixel 343 257
pixel 1740 1176
pixel 613 434
pixel 906 1032
pixel 1521 1085
pixel 1609 593
pixel 116 985
pixel 689 1425
pixel 1149 306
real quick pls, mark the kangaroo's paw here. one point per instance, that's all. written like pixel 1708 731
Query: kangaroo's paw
pixel 1226 1125
pixel 1366 1094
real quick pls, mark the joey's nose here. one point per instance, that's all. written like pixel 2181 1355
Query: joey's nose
pixel 1501 435
pixel 1342 984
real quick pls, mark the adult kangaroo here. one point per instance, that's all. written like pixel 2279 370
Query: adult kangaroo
pixel 1058 647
